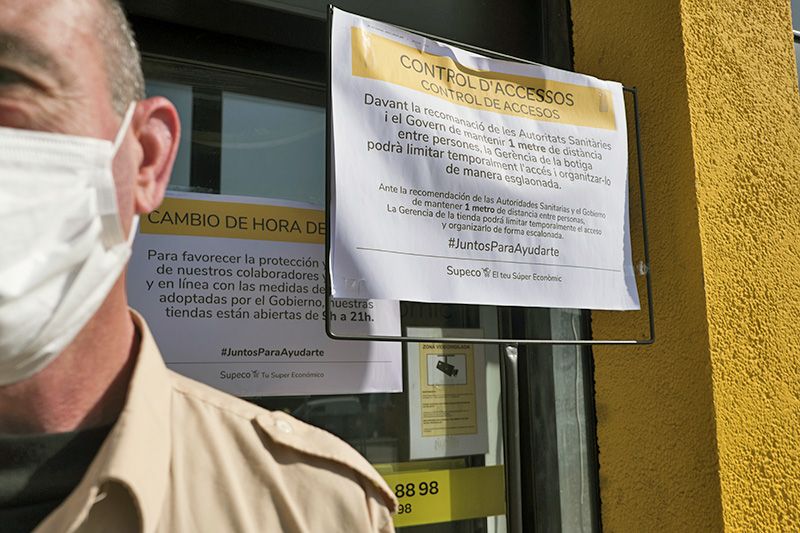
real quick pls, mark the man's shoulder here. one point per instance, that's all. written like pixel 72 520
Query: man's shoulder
pixel 273 438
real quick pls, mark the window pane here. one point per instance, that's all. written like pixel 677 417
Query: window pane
pixel 272 148
pixel 181 96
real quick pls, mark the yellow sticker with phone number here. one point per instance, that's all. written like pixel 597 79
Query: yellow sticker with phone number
pixel 428 497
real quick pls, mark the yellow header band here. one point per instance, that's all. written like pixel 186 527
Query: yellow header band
pixel 378 58
pixel 203 218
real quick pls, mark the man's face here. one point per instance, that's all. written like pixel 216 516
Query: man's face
pixel 53 77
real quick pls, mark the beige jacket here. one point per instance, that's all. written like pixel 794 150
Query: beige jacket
pixel 184 457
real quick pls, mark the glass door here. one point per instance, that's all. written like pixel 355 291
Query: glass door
pixel 250 90
pixel 251 136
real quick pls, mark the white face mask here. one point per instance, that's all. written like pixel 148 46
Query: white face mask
pixel 62 245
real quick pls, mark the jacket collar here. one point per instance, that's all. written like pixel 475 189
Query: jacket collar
pixel 136 454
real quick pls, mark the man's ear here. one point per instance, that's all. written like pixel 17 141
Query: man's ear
pixel 158 134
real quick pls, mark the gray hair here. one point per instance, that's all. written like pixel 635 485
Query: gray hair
pixel 122 61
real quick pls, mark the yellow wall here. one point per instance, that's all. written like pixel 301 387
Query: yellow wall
pixel 701 431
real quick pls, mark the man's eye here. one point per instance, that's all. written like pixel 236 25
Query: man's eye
pixel 9 77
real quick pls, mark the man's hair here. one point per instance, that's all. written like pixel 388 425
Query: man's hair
pixel 122 61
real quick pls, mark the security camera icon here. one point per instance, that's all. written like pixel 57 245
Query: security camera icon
pixel 447 368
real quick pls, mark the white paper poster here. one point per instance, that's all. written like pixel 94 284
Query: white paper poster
pixel 233 289
pixel 446 396
pixel 464 179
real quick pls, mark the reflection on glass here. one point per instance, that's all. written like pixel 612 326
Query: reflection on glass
pixel 272 148
pixel 797 57
pixel 181 96
pixel 372 423
pixel 571 442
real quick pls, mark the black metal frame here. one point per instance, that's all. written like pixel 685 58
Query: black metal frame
pixel 329 171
